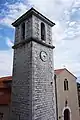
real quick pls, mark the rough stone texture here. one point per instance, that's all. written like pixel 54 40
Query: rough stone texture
pixel 36 30
pixel 32 91
pixel 42 89
pixel 33 29
pixel 33 81
pixel 22 86
pixel 18 34
pixel 28 28
pixel 28 31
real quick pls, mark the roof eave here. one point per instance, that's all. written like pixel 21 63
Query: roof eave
pixel 63 70
pixel 29 13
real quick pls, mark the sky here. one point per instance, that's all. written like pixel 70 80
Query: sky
pixel 66 32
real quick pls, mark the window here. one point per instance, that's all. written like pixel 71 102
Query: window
pixel 1 116
pixel 66 84
pixel 66 102
pixel 23 30
pixel 66 114
pixel 79 103
pixel 42 31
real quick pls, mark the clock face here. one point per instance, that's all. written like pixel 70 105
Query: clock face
pixel 43 56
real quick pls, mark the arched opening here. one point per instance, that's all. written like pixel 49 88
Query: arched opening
pixel 66 84
pixel 1 116
pixel 42 31
pixel 23 30
pixel 66 114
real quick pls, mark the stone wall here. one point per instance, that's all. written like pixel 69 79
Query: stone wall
pixel 32 91
pixel 21 83
pixel 33 80
pixel 36 30
pixel 33 29
pixel 42 84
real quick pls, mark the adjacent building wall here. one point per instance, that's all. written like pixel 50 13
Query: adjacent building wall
pixel 70 95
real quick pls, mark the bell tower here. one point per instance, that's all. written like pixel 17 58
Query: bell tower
pixel 33 96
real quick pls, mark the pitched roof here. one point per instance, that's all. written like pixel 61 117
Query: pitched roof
pixel 58 71
pixel 4 80
pixel 28 14
pixel 7 78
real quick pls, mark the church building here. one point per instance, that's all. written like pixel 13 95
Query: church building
pixel 67 106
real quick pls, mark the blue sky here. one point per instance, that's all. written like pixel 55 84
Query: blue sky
pixel 66 32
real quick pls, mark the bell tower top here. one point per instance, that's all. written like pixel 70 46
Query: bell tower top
pixel 34 25
pixel 28 14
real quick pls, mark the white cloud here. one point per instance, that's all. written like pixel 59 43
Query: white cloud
pixel 66 32
pixel 14 11
pixel 77 3
pixel 6 63
pixel 67 55
pixel 53 8
pixel 72 23
pixel 9 42
pixel 74 10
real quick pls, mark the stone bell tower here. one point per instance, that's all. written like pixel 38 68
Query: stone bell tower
pixel 33 80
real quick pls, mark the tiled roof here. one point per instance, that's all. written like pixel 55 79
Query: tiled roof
pixel 58 71
pixel 5 96
pixel 7 78
pixel 5 90
pixel 3 81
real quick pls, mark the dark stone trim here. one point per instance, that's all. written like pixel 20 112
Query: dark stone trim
pixel 32 39
pixel 28 14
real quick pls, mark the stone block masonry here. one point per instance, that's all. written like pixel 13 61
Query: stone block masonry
pixel 32 92
pixel 33 95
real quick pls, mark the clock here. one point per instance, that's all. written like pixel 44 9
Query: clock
pixel 43 56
